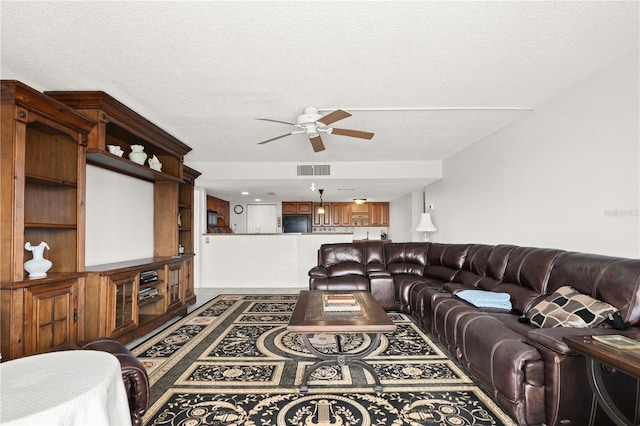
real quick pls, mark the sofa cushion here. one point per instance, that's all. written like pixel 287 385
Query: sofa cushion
pixel 406 258
pixel 333 254
pixel 567 307
pixel 346 268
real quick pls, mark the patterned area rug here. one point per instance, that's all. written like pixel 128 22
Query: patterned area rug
pixel 233 362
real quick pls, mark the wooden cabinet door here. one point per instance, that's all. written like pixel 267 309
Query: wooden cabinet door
pixel 187 270
pixel 317 217
pixel 174 289
pixel 322 219
pixel 297 207
pixel 336 214
pixel 289 207
pixel 303 207
pixel 379 214
pixel 51 316
pixel 346 214
pixel 122 314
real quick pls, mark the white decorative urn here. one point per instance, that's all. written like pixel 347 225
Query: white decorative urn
pixel 38 266
pixel 137 154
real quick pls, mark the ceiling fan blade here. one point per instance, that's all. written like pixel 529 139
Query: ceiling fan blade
pixel 334 116
pixel 353 133
pixel 316 143
pixel 276 121
pixel 277 137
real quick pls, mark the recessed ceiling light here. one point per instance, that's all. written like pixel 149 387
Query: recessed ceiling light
pixel 244 193
pixel 257 199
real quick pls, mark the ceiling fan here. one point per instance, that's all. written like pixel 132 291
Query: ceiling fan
pixel 313 123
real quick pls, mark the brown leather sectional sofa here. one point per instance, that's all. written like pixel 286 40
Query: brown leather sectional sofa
pixel 529 371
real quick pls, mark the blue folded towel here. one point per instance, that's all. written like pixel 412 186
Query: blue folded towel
pixel 486 299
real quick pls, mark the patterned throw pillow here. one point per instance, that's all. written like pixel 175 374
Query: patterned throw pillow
pixel 567 307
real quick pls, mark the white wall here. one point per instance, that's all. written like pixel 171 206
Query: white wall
pixel 404 214
pixel 566 176
pixel 119 217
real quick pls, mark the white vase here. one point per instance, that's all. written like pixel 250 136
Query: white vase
pixel 138 157
pixel 38 266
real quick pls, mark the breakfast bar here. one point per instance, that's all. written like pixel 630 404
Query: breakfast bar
pixel 280 260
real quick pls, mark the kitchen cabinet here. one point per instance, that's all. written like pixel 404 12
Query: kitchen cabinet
pixel 296 207
pixel 378 214
pixel 336 214
pixel 322 219
pixel 43 145
pixel 359 214
pixel 221 207
pixel 344 214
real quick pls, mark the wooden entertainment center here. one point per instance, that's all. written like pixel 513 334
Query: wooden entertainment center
pixel 47 140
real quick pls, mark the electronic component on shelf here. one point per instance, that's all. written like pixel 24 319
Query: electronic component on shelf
pixel 147 293
pixel 148 276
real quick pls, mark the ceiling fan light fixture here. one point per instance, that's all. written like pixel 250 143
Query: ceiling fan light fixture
pixel 360 200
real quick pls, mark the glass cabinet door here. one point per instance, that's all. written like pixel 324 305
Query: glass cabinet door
pixel 174 284
pixel 124 295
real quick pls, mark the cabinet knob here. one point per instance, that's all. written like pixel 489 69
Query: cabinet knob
pixel 22 114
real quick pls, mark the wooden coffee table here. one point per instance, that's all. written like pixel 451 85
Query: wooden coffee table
pixel 309 318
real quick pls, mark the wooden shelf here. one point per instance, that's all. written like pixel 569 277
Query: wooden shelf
pixel 149 300
pixel 43 148
pixel 42 180
pixel 122 165
pixel 51 225
pixel 151 284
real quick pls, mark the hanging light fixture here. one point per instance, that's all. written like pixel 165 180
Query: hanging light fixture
pixel 360 200
pixel 321 207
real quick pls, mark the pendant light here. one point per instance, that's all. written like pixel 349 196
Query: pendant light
pixel 321 207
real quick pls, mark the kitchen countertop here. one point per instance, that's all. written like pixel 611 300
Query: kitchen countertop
pixel 215 234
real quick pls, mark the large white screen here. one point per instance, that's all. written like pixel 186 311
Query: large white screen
pixel 119 218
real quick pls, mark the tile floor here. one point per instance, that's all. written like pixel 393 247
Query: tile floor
pixel 203 295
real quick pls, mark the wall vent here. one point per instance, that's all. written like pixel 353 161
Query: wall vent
pixel 314 170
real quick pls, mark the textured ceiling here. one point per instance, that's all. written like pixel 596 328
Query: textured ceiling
pixel 428 78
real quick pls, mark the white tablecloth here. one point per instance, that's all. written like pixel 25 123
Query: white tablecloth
pixel 63 388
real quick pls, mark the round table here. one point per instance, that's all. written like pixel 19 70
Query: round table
pixel 68 387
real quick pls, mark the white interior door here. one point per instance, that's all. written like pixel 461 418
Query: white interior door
pixel 261 218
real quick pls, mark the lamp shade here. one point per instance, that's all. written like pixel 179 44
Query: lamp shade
pixel 426 225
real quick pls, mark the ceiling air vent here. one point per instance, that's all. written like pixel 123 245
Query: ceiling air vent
pixel 314 170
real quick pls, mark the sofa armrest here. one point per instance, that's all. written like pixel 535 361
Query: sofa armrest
pixel 318 272
pixel 553 338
